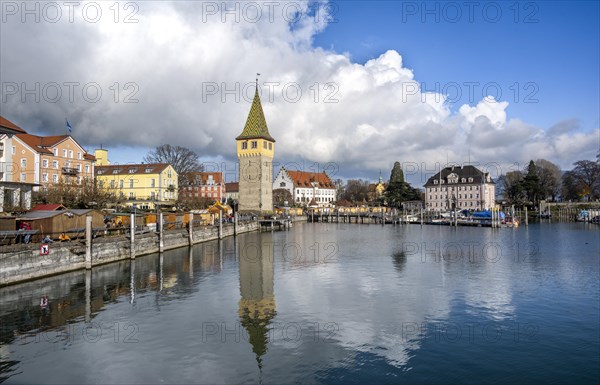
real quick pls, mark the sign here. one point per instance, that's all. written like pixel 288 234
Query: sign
pixel 44 249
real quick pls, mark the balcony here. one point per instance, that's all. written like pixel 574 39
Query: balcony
pixel 71 171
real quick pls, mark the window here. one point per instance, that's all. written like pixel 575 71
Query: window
pixel 282 184
pixel 152 182
pixel 131 195
pixel 65 153
pixel 55 164
pixel 14 150
pixel 264 145
pixel 55 150
pixel 112 183
pixel 23 163
pixel 152 195
pixel 55 178
pixel 121 183
pixel 116 171
pixel 132 170
pixel 435 182
pixel 45 163
pixel 71 154
pixel 131 183
pixel 79 155
pixel 244 145
pixel 78 180
pixel 270 146
pixel 470 180
pixel 148 170
pixel 79 167
pixel 254 144
pixel 87 168
pixel 44 177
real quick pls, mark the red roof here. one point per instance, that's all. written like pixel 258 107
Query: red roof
pixel 41 143
pixel 10 126
pixel 51 207
pixel 305 179
pixel 232 187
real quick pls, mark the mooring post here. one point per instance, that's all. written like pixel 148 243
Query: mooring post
pixel 191 228
pixel 526 217
pixel 88 295
pixel 132 235
pixel 235 223
pixel 220 224
pixel 88 242
pixel 161 242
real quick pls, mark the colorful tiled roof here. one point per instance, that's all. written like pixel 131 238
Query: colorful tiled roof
pixel 128 169
pixel 10 127
pixel 256 125
pixel 305 179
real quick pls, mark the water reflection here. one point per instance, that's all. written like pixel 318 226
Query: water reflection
pixel 257 303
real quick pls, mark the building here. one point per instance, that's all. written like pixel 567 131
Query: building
pixel 306 186
pixel 203 185
pixel 232 191
pixel 460 187
pixel 47 160
pixel 14 194
pixel 376 190
pixel 143 185
pixel 255 151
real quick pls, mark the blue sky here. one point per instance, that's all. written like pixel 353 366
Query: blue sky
pixel 539 60
pixel 550 43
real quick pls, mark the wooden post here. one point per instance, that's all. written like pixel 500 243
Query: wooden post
pixel 161 242
pixel 88 295
pixel 235 223
pixel 220 224
pixel 191 228
pixel 88 242
pixel 526 217
pixel 132 235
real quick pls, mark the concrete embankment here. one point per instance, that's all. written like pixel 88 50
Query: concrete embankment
pixel 27 262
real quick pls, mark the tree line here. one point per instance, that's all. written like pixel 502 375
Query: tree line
pixel 544 180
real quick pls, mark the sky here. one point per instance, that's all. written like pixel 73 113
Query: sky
pixel 348 87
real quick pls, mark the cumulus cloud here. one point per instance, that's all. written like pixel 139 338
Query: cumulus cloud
pixel 188 74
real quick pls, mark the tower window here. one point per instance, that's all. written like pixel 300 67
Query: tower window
pixel 244 145
pixel 270 146
pixel 265 145
pixel 254 144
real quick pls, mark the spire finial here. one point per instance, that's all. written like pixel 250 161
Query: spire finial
pixel 257 75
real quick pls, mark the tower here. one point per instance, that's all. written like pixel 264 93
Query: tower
pixel 255 150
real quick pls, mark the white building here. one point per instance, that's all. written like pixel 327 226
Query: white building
pixel 307 188
pixel 460 187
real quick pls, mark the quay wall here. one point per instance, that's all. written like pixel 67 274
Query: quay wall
pixel 25 262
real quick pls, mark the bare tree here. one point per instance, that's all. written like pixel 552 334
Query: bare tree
pixel 550 178
pixel 182 159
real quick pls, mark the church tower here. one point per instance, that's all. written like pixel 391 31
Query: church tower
pixel 255 150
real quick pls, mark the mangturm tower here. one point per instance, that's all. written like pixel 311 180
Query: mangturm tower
pixel 255 150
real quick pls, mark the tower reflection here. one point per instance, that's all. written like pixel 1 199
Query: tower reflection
pixel 257 303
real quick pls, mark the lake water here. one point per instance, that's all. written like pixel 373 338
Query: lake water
pixel 321 303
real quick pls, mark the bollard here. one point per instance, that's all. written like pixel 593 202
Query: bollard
pixel 161 243
pixel 191 228
pixel 132 234
pixel 88 242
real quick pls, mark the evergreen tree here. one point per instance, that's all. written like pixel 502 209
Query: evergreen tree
pixel 399 190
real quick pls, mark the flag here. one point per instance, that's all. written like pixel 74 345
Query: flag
pixel 69 126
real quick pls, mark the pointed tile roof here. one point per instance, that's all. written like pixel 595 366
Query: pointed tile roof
pixel 256 125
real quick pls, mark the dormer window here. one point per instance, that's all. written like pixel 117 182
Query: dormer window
pixel 470 180
pixel 116 171
pixel 132 170
pixel 435 182
pixel 148 170
pixel 463 180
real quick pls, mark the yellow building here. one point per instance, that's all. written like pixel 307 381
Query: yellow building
pixel 145 185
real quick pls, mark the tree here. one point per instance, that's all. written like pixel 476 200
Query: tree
pixel 570 190
pixel 356 190
pixel 73 195
pixel 514 192
pixel 281 195
pixel 398 189
pixel 587 176
pixel 550 177
pixel 531 183
pixel 182 159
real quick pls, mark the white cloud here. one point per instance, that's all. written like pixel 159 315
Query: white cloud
pixel 363 117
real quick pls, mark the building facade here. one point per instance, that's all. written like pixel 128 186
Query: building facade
pixel 232 191
pixel 142 185
pixel 460 187
pixel 203 185
pixel 307 188
pixel 48 160
pixel 255 151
